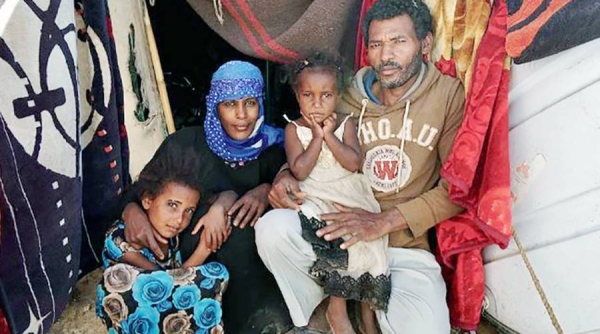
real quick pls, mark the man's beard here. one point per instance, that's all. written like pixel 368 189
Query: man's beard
pixel 405 73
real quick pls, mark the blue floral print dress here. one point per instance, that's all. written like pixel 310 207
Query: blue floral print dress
pixel 168 300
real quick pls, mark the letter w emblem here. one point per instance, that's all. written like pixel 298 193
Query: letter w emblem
pixel 385 170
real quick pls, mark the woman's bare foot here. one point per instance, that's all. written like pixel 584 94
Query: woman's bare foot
pixel 368 320
pixel 337 316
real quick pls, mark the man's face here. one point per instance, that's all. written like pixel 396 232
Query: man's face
pixel 395 51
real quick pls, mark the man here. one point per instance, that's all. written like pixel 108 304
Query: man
pixel 408 114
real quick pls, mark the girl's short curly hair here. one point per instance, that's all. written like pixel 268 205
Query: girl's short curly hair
pixel 387 9
pixel 318 61
pixel 178 165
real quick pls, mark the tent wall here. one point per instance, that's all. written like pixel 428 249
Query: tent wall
pixel 554 136
pixel 143 112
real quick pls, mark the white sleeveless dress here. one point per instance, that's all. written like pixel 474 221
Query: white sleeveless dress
pixel 360 273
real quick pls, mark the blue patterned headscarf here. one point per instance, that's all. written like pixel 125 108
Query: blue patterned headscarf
pixel 235 80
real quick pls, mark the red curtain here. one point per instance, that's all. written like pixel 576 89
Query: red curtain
pixel 478 170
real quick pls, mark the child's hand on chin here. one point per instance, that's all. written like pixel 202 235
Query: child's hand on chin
pixel 329 124
pixel 315 127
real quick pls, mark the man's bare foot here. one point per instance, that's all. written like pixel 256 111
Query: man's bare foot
pixel 337 316
pixel 368 321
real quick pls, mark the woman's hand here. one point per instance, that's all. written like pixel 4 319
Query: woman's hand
pixel 139 232
pixel 251 206
pixel 216 228
pixel 285 191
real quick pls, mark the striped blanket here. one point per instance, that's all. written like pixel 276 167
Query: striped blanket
pixel 284 30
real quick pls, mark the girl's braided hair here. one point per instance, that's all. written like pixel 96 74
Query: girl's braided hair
pixel 317 61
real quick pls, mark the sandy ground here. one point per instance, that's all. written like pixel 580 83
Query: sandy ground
pixel 80 315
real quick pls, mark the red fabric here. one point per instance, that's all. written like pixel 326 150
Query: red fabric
pixel 360 56
pixel 4 329
pixel 447 67
pixel 478 171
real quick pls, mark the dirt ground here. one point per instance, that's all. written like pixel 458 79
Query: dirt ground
pixel 80 315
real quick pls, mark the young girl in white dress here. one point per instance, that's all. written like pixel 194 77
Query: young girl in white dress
pixel 324 155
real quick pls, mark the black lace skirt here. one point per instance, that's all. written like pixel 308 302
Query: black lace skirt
pixel 330 270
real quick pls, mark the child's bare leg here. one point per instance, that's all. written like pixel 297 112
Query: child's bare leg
pixel 337 316
pixel 367 319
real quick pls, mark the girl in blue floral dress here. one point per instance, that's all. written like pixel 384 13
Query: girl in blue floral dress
pixel 142 294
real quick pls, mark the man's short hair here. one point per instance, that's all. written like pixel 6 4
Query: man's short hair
pixel 387 9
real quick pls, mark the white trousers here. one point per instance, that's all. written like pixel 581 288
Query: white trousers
pixel 418 300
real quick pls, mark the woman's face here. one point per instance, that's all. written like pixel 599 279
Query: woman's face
pixel 238 117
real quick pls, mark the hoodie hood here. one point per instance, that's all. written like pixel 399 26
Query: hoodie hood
pixel 357 92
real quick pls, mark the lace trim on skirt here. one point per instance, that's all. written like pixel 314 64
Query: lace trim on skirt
pixel 331 260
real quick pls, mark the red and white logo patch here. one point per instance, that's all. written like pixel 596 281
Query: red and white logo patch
pixel 381 167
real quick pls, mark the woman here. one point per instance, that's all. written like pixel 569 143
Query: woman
pixel 248 154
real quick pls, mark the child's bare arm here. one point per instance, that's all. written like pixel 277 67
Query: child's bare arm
pixel 301 161
pixel 197 258
pixel 138 260
pixel 200 254
pixel 347 153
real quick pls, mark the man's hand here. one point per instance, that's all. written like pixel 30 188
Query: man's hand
pixel 251 206
pixel 285 192
pixel 360 225
pixel 139 232
pixel 216 228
